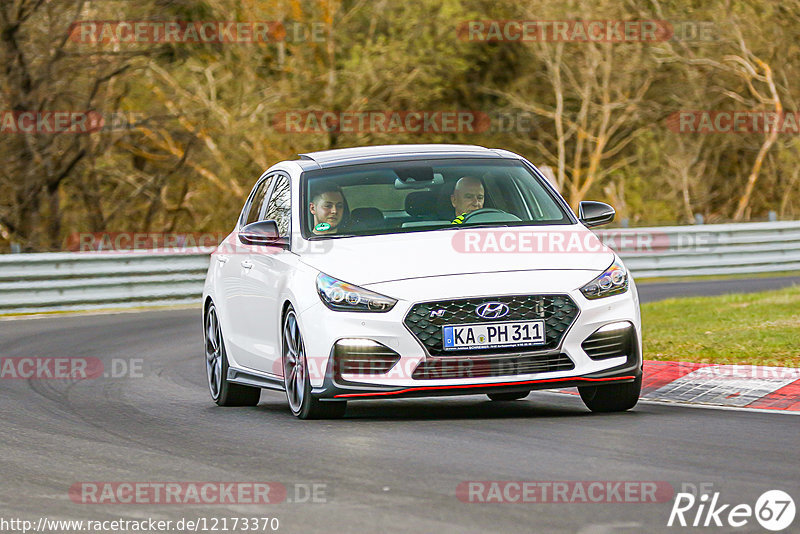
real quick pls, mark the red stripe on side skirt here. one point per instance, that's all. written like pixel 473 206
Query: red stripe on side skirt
pixel 429 388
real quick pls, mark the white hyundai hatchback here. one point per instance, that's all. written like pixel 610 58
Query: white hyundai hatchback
pixel 417 270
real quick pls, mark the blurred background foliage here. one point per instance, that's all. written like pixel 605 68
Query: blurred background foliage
pixel 202 117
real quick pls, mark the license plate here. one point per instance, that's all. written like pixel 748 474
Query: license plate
pixel 497 335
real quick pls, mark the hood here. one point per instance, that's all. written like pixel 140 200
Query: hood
pixel 363 260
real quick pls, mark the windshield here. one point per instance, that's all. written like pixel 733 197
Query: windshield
pixel 416 196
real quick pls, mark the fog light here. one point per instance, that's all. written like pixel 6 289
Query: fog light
pixel 362 357
pixel 613 340
pixel 613 327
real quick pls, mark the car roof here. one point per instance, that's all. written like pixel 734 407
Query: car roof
pixel 372 154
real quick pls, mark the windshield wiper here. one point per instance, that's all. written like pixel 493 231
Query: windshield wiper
pixel 329 236
pixel 481 225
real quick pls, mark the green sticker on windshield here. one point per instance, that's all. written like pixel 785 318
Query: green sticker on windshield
pixel 321 227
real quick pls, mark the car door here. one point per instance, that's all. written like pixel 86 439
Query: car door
pixel 266 277
pixel 233 276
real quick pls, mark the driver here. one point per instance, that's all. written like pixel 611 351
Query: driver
pixel 327 208
pixel 467 197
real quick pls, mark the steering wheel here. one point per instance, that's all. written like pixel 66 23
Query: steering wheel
pixel 503 216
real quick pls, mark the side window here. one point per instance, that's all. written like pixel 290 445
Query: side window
pixel 279 206
pixel 257 202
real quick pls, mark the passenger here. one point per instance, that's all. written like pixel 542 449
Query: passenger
pixel 327 208
pixel 467 197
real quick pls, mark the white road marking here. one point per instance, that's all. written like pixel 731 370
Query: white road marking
pixel 689 405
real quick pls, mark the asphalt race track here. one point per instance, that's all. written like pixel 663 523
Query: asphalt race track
pixel 651 291
pixel 390 465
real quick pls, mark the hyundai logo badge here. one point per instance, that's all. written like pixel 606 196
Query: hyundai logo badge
pixel 492 310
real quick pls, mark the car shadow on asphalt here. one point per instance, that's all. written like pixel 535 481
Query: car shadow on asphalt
pixel 453 408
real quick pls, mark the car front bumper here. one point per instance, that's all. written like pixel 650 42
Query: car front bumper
pixel 324 328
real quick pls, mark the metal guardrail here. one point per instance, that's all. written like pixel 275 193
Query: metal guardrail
pixel 712 249
pixel 31 283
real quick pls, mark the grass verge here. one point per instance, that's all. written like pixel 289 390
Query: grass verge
pixel 713 277
pixel 748 328
pixel 98 311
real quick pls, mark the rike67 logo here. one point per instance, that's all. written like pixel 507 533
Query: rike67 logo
pixel 774 510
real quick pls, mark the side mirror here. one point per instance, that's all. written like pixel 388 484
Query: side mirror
pixel 262 233
pixel 593 213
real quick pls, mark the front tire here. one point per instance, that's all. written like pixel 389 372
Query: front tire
pixel 612 398
pixel 295 377
pixel 223 392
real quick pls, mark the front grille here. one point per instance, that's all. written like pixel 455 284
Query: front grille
pixel 495 366
pixel 425 320
pixel 611 344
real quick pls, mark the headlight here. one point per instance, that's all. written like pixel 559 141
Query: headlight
pixel 341 296
pixel 612 282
